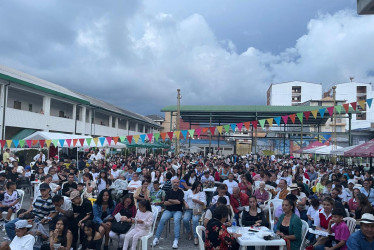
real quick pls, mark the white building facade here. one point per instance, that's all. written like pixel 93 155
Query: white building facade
pixel 27 102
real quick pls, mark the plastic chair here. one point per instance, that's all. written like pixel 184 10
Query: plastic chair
pixel 275 203
pixel 199 231
pixel 351 223
pixel 22 195
pixel 304 230
pixel 347 213
pixel 144 239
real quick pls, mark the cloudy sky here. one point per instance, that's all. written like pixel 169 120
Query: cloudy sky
pixel 135 54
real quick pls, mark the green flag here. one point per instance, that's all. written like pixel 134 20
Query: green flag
pixel 300 116
pixel 88 140
pixel 191 131
pixel 157 135
pixel 262 122
pixel 227 128
pixel 21 143
pixel 338 108
pixel 122 138
pixel 55 143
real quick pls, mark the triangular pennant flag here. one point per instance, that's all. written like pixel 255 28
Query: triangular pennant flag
pixel 262 122
pixel 16 142
pixel 227 128
pixel 2 142
pixel 55 143
pixel 109 140
pixel 369 101
pixel 129 139
pixel 219 128
pixel 300 116
pixel 136 138
pixel 9 143
pixel 142 137
pixel 75 141
pixel 254 124
pixel 170 134
pixel 322 112
pixel 233 127
pixel 354 105
pixel 157 135
pixel 191 132
pixel 62 142
pixel 270 121
pixel 247 124
pixel 239 125
pixel 285 119
pixel 292 117
pixel 163 136
pixel 346 107
pixel 115 139
pixel 362 104
pixel 34 142
pixel 88 140
pixel 330 110
pixel 314 113
pixel 48 143
pixel 204 130
pixel 198 132
pixel 68 141
pixel 41 142
pixel 122 138
pixel 212 130
pixel 96 140
pixel 338 109
pixel 277 120
pixel 184 133
pixel 307 114
pixel 102 140
pixel 28 142
pixel 21 143
pixel 150 137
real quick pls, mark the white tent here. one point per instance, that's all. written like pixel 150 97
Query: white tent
pixel 340 151
pixel 323 150
pixel 312 150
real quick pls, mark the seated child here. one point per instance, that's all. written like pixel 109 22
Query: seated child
pixel 10 201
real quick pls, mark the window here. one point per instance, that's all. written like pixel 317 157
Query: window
pixel 17 105
pixel 61 113
pixel 30 107
pixel 113 122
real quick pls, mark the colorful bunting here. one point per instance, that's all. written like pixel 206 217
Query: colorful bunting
pixel 198 132
pixel 41 142
pixel 88 140
pixel 277 120
pixel 346 107
pixel 55 143
pixel 96 140
pixel 122 138
pixel 68 141
pixel 170 134
pixel 16 142
pixel 292 117
pixel 62 142
pixel 28 142
pixel 109 140
pixel 233 127
pixel 102 140
pixel 204 130
pixel 219 129
pixel 48 143
pixel 177 134
pixel 75 141
pixel 191 132
pixel 2 142
pixel 285 119
pixel 163 136
pixel 9 143
pixel 262 123
pixel 34 142
pixel 239 125
pixel 330 110
pixel 136 138
pixel 314 113
pixel 115 139
pixel 354 105
pixel 212 130
pixel 142 137
pixel 21 143
pixel 129 139
pixel 338 109
pixel 369 101
pixel 300 116
pixel 307 114
pixel 157 136
pixel 247 125
pixel 270 121
pixel 227 128
pixel 362 104
pixel 322 112
pixel 254 124
pixel 150 136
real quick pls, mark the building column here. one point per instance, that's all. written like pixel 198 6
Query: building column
pixel 136 126
pixel 116 123
pixel 110 121
pixel 83 119
pixel 47 105
pixel 143 129
pixel 3 105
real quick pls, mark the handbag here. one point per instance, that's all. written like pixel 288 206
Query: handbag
pixel 122 227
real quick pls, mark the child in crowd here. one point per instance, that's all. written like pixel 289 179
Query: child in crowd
pixel 10 202
pixel 312 211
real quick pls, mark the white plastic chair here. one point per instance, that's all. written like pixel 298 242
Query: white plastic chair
pixel 351 223
pixel 275 203
pixel 22 195
pixel 304 230
pixel 347 213
pixel 200 230
pixel 144 239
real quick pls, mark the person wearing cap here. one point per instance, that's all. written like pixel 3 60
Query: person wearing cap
pixel 364 238
pixel 53 187
pixel 337 226
pixel 22 239
pixel 114 172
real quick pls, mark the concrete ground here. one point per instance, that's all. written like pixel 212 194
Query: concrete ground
pixel 165 243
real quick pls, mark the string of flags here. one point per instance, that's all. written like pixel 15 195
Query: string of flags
pixel 148 138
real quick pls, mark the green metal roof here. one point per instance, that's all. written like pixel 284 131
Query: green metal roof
pixel 23 134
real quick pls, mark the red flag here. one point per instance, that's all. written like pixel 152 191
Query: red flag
pixel 129 138
pixel 346 107
pixel 285 119
pixel 198 132
pixel 247 124
pixel 41 142
pixel 307 114
pixel 115 139
pixel 292 117
pixel 254 124
pixel 330 110
pixel 204 130
pixel 170 134
pixel 212 130
pixel 68 141
pixel 2 142
pixel 354 105
pixel 239 125
pixel 109 140
pixel 81 141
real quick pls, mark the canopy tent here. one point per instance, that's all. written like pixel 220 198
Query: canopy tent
pixel 341 151
pixel 314 144
pixel 312 150
pixel 147 145
pixel 326 150
pixel 363 150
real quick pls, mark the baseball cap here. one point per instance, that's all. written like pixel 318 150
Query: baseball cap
pixel 74 194
pixel 22 224
pixel 44 186
pixel 27 167
pixel 351 181
pixel 114 166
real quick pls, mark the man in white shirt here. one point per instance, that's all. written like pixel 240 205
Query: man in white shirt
pixel 23 240
pixel 206 177
pixel 134 183
pixel 230 183
pixel 40 155
pixel 114 172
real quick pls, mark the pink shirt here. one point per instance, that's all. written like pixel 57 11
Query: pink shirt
pixel 341 232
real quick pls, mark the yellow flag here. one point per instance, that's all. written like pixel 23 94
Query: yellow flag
pixel 9 143
pixel 270 121
pixel 177 134
pixel 136 138
pixel 314 113
pixel 219 128
pixel 48 142
pixel 362 104
pixel 96 139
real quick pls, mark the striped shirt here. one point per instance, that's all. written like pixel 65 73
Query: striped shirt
pixel 42 208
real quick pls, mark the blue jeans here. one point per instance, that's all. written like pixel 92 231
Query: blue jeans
pixel 177 215
pixel 188 214
pixel 319 247
pixel 10 228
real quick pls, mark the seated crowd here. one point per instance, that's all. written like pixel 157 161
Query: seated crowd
pixel 84 204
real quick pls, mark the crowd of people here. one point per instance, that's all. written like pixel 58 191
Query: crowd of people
pixel 83 204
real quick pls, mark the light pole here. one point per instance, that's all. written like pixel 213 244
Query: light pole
pixel 177 121
pixel 334 117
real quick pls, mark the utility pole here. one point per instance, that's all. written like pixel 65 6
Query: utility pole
pixel 334 116
pixel 177 149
